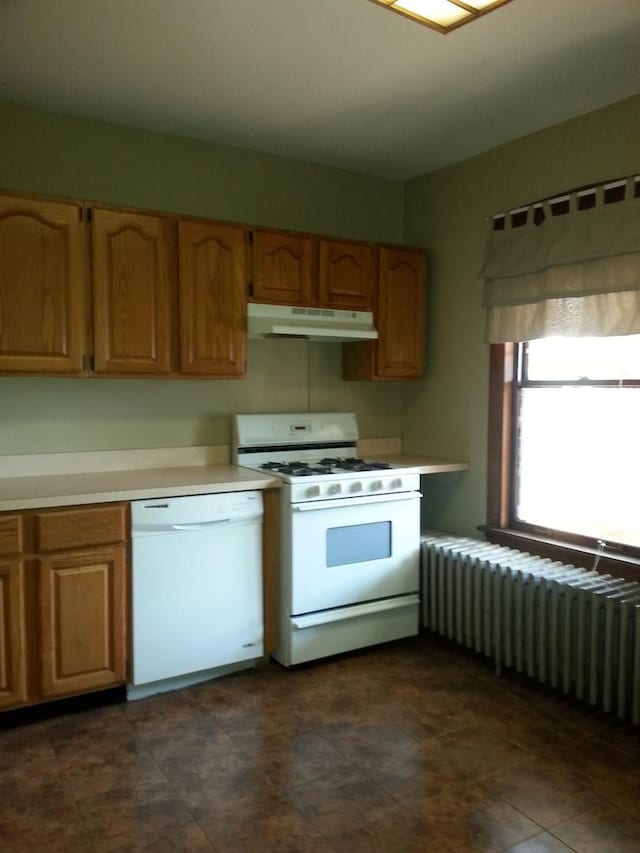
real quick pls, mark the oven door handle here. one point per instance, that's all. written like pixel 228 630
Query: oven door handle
pixel 341 614
pixel 360 501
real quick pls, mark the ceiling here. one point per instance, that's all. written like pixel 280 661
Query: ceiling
pixel 344 83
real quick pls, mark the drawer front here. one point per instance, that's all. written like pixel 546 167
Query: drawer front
pixel 10 535
pixel 77 528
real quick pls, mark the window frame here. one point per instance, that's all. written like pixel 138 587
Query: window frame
pixel 501 525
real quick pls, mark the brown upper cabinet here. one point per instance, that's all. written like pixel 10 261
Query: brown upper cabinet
pixel 94 291
pixel 42 280
pixel 399 313
pixel 300 269
pixel 345 275
pixel 167 296
pixel 212 286
pixel 282 268
pixel 131 269
pixel 135 280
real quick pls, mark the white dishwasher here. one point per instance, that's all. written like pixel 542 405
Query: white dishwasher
pixel 197 585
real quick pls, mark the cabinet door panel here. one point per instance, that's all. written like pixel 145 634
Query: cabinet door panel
pixel 130 255
pixel 212 283
pixel 41 286
pixel 282 268
pixel 12 644
pixel 345 275
pixel 400 314
pixel 82 610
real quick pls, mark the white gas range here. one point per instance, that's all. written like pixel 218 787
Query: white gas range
pixel 350 534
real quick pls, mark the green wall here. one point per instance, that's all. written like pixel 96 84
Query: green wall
pixel 45 153
pixel 58 155
pixel 446 211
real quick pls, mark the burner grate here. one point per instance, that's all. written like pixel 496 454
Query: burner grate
pixel 326 465
pixel 355 463
pixel 297 469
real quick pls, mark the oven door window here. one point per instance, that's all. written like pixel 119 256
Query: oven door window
pixel 358 543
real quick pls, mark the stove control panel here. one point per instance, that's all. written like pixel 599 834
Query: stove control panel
pixel 326 488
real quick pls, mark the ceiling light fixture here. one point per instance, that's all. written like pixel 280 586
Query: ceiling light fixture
pixel 442 15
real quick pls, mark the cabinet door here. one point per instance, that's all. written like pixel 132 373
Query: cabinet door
pixel 400 314
pixel 12 634
pixel 130 254
pixel 282 268
pixel 345 275
pixel 42 273
pixel 212 282
pixel 82 614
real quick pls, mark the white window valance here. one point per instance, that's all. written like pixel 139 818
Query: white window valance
pixel 567 266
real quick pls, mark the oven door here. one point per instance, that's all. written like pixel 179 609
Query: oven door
pixel 353 550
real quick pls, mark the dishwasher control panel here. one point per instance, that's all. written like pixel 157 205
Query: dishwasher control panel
pixel 191 510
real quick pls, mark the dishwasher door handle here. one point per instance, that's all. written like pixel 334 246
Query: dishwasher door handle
pixel 141 531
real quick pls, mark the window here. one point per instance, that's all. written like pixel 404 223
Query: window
pixel 563 464
pixel 576 465
pixel 564 453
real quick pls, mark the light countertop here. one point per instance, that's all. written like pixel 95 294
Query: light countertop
pixel 100 487
pixel 424 464
pixel 81 478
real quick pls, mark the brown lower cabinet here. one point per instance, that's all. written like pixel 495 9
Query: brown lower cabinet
pixel 63 602
pixel 12 645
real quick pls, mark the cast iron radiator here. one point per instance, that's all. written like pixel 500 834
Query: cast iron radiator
pixel 573 629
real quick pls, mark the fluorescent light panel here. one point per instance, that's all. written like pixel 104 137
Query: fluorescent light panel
pixel 442 15
pixel 439 11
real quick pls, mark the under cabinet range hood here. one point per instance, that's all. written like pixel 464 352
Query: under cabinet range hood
pixel 315 324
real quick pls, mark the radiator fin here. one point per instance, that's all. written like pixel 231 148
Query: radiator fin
pixel 574 629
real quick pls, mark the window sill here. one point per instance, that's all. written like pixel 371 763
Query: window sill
pixel 576 555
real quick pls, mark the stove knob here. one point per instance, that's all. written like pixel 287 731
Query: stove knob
pixel 313 492
pixel 376 485
pixel 356 487
pixel 397 483
pixel 335 488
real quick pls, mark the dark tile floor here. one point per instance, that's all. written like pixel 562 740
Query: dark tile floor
pixel 409 747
